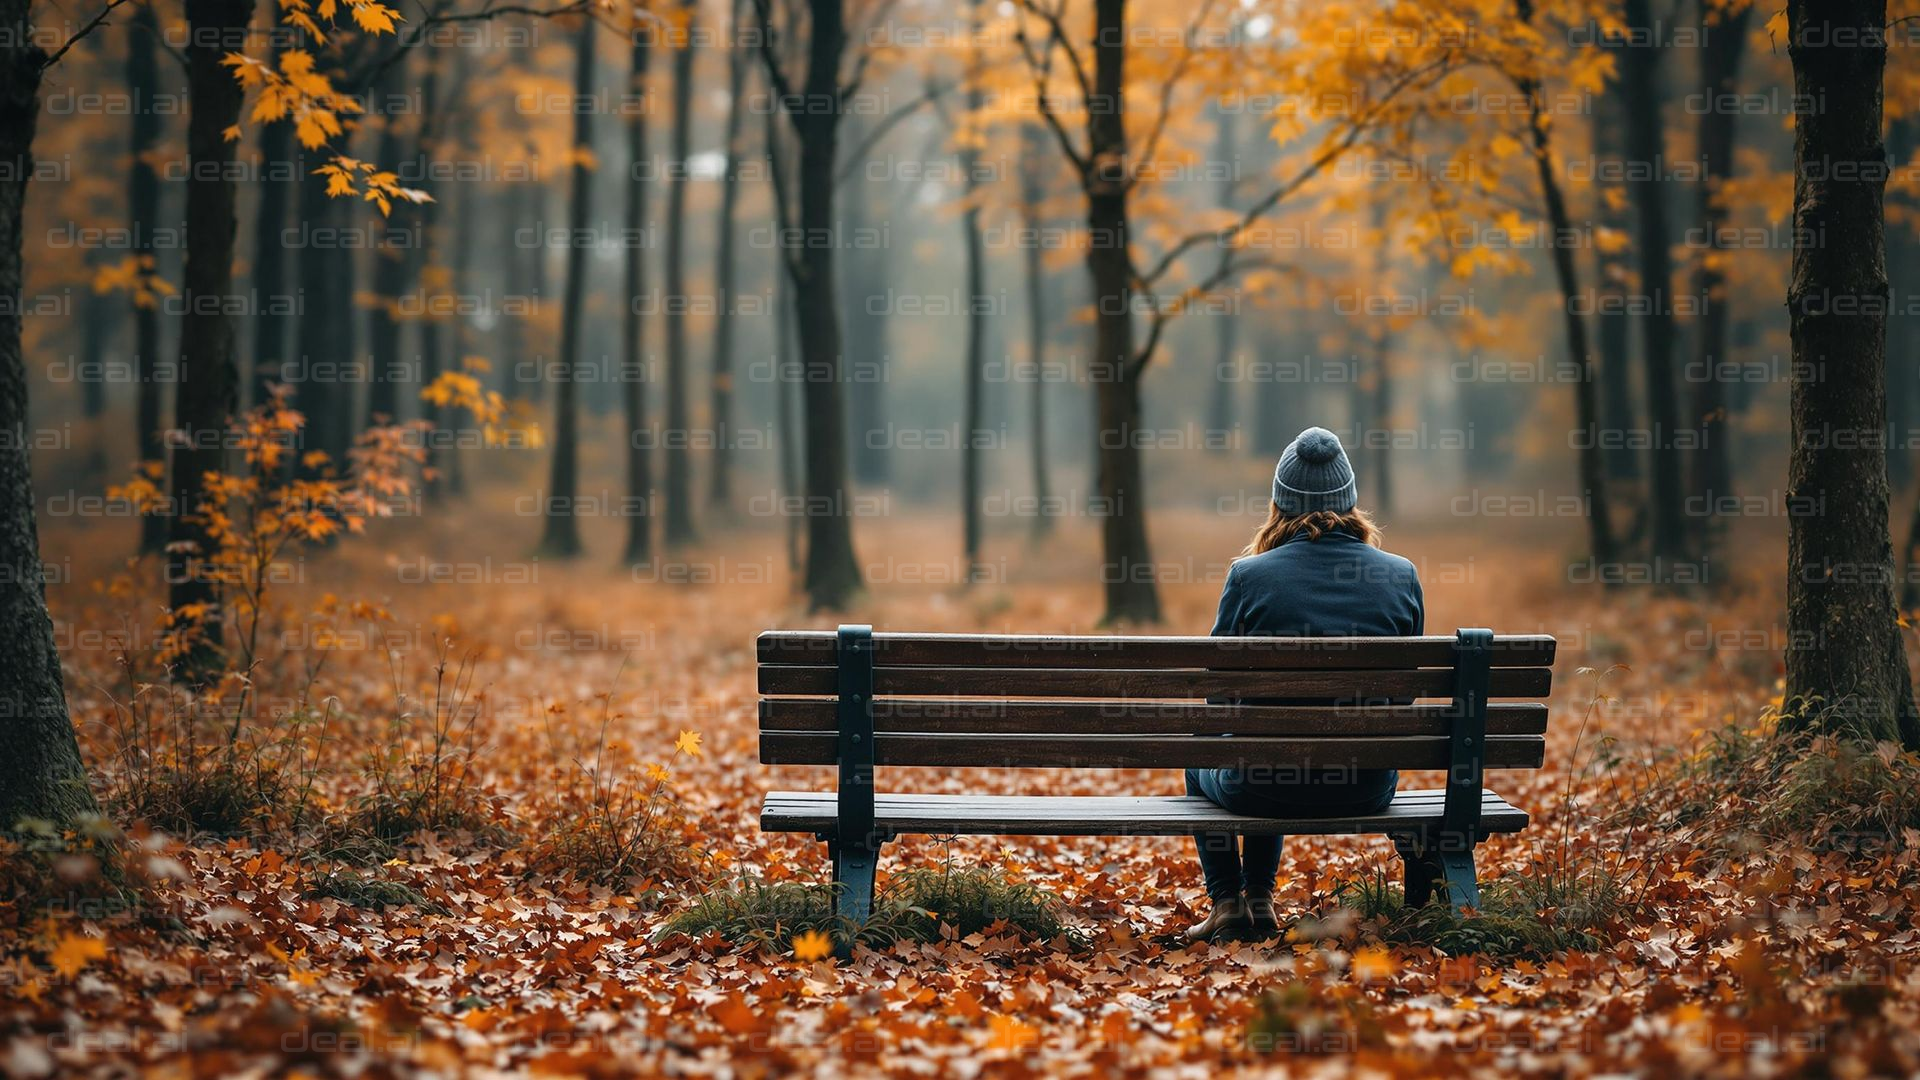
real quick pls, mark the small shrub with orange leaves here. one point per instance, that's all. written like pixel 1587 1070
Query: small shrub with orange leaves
pixel 613 818
pixel 421 767
pixel 206 756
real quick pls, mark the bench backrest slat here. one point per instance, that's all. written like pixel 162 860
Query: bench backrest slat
pixel 813 648
pixel 972 717
pixel 1276 755
pixel 1035 700
pixel 1353 686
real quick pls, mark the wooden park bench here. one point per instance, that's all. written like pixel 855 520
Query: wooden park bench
pixel 857 699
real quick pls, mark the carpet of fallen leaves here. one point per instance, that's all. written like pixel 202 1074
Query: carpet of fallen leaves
pixel 1734 960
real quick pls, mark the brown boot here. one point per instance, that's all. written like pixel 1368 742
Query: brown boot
pixel 1228 917
pixel 1263 920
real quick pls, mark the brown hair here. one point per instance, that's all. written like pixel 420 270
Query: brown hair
pixel 1280 528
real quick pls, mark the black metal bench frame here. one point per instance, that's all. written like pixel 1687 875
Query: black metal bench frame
pixel 1437 857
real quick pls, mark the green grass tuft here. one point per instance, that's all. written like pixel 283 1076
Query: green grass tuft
pixel 1534 914
pixel 1845 794
pixel 914 906
pixel 221 795
pixel 1824 791
pixel 368 891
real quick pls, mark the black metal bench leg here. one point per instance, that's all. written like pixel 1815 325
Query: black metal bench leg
pixel 1463 891
pixel 853 872
pixel 1420 873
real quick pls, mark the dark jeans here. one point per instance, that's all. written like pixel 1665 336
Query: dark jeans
pixel 1252 869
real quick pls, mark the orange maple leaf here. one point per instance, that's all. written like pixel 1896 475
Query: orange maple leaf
pixel 735 1015
pixel 1374 963
pixel 812 945
pixel 75 952
pixel 1007 1033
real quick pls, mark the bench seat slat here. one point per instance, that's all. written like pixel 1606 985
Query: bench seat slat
pixel 961 716
pixel 815 647
pixel 1150 751
pixel 1085 815
pixel 1142 683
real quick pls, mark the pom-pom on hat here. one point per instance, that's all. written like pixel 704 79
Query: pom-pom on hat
pixel 1314 474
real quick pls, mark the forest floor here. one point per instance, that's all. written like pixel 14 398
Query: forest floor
pixel 319 935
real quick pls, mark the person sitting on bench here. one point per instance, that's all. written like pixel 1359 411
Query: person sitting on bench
pixel 1313 569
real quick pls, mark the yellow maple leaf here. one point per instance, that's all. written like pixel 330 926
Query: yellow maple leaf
pixel 688 743
pixel 374 18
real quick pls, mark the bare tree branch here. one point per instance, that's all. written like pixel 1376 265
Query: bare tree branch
pixel 1059 37
pixel 930 96
pixel 777 176
pixel 1162 315
pixel 1355 129
pixel 783 94
pixel 98 21
pixel 1167 89
pixel 864 57
pixel 1041 64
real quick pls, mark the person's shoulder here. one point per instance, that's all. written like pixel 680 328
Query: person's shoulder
pixel 1392 557
pixel 1264 562
pixel 1400 564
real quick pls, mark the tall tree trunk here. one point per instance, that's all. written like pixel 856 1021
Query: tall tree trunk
pixel 679 527
pixel 143 212
pixel 432 321
pixel 1223 431
pixel 1127 570
pixel 1277 405
pixel 1586 404
pixel 392 264
pixel 720 478
pixel 1903 331
pixel 272 285
pixel 97 325
pixel 209 378
pixel 1032 191
pixel 1711 476
pixel 539 268
pixel 833 574
pixel 1380 420
pixel 562 539
pixel 633 381
pixel 976 360
pixel 864 273
pixel 466 223
pixel 1846 663
pixel 788 426
pixel 1646 146
pixel 325 345
pixel 1613 325
pixel 1226 324
pixel 1378 407
pixel 41 776
pixel 789 432
pixel 523 373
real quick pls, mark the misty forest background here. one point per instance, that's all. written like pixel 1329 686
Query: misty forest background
pixel 603 228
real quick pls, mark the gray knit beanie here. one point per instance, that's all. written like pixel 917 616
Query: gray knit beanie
pixel 1314 474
